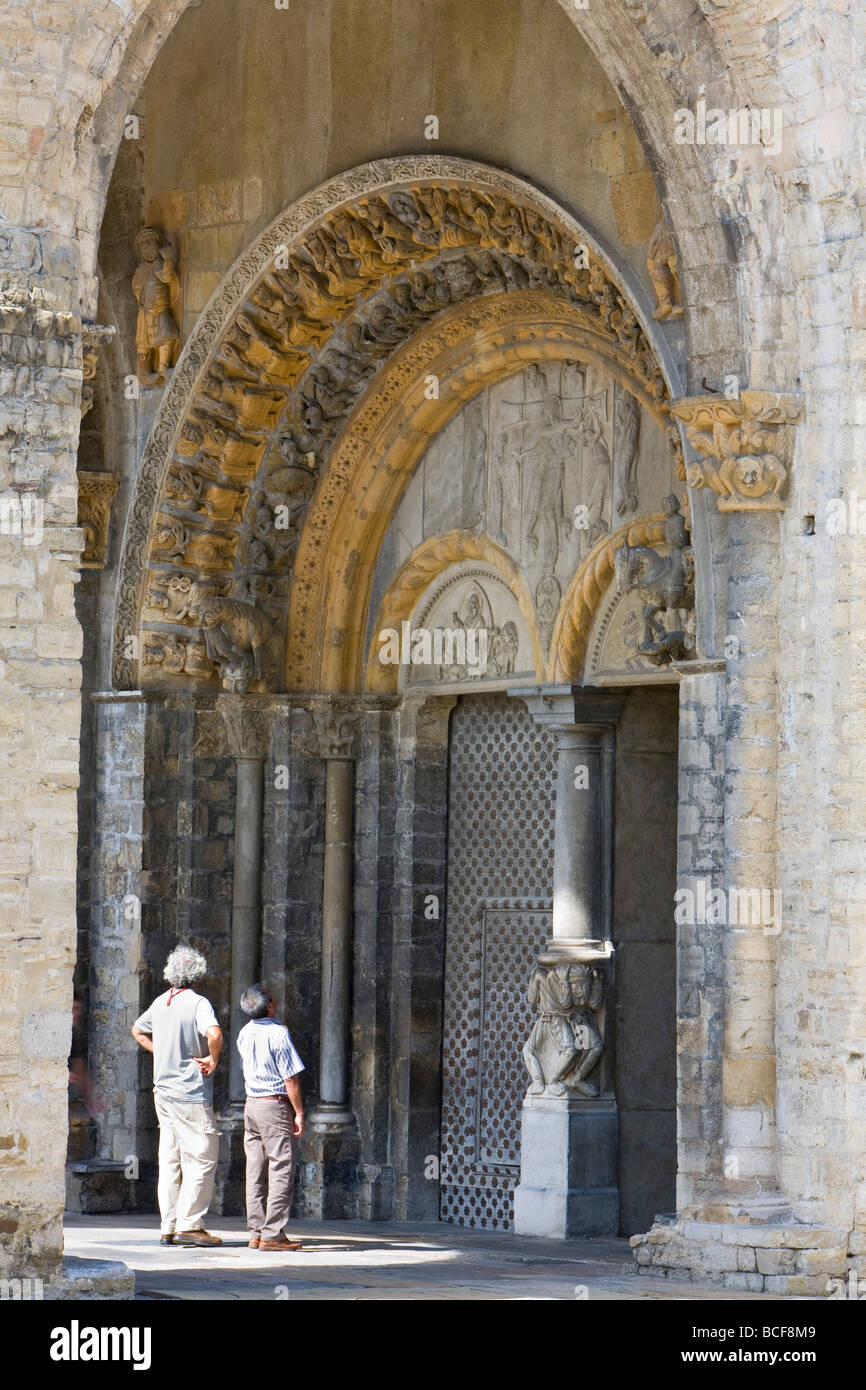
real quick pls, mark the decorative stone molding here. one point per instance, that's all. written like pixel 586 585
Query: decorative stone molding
pixel 247 724
pixel 95 494
pixel 746 446
pixel 285 350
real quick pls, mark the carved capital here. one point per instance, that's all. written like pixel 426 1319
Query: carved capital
pixel 248 727
pixel 746 446
pixel 95 494
pixel 338 731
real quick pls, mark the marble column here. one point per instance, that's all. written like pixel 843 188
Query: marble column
pixel 569 1132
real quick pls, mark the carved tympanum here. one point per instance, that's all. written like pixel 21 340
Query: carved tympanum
pixel 564 1046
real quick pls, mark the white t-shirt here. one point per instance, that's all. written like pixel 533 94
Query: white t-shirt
pixel 178 1022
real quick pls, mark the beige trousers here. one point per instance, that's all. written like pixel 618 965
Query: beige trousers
pixel 188 1152
pixel 270 1147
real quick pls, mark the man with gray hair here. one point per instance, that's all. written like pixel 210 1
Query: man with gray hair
pixel 177 1028
pixel 273 1119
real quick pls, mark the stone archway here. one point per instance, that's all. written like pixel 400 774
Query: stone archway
pixel 352 329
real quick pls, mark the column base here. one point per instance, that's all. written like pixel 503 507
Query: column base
pixel 568 1168
pixel 330 1119
pixel 330 1164
pixel 737 1249
pixel 229 1198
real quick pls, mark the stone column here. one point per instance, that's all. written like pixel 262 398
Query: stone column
pixel 568 1157
pixel 247 725
pixel 331 1147
pixel 337 731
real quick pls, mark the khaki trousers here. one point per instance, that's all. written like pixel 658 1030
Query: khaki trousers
pixel 269 1144
pixel 188 1152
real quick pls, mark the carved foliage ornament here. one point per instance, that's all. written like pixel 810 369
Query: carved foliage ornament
pixel 424 234
pixel 746 446
pixel 95 494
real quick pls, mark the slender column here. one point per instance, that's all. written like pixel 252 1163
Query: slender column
pixel 248 730
pixel 568 1176
pixel 337 730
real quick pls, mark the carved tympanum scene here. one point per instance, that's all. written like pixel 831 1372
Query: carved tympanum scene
pixel 537 474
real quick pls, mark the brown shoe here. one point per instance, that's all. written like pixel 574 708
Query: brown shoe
pixel 196 1238
pixel 255 1242
pixel 281 1244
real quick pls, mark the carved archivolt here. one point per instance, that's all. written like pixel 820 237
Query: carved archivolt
pixel 586 591
pixel 283 355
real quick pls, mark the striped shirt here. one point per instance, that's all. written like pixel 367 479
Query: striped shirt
pixel 269 1057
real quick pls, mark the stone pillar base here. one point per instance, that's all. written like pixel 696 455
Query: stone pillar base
pixel 568 1168
pixel 330 1164
pixel 770 1257
pixel 229 1198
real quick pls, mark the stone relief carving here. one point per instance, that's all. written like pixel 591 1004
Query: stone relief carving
pixel 248 728
pixel 292 349
pixel 626 447
pixel 235 637
pixel 155 285
pixel 338 731
pixel 667 582
pixel 661 262
pixel 746 446
pixel 476 631
pixel 564 1046
pixel 95 494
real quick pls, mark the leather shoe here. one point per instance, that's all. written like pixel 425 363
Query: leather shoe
pixel 167 1239
pixel 196 1238
pixel 255 1241
pixel 282 1244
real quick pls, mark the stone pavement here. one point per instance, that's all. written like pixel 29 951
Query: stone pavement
pixel 362 1260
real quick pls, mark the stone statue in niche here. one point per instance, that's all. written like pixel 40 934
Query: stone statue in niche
pixel 626 446
pixel 667 582
pixel 155 285
pixel 661 262
pixel 564 1045
pixel 235 635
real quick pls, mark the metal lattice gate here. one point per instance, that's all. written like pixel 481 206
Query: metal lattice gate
pixel 501 789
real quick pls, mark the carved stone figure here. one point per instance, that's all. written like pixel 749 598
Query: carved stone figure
pixel 564 1045
pixel 667 583
pixel 235 634
pixel 155 285
pixel 596 475
pixel 626 444
pixel 661 262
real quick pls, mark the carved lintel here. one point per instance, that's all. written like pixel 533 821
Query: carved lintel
pixel 565 1045
pixel 338 731
pixel 95 494
pixel 746 446
pixel 247 724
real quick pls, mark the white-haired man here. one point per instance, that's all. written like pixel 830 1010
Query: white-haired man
pixel 179 1028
